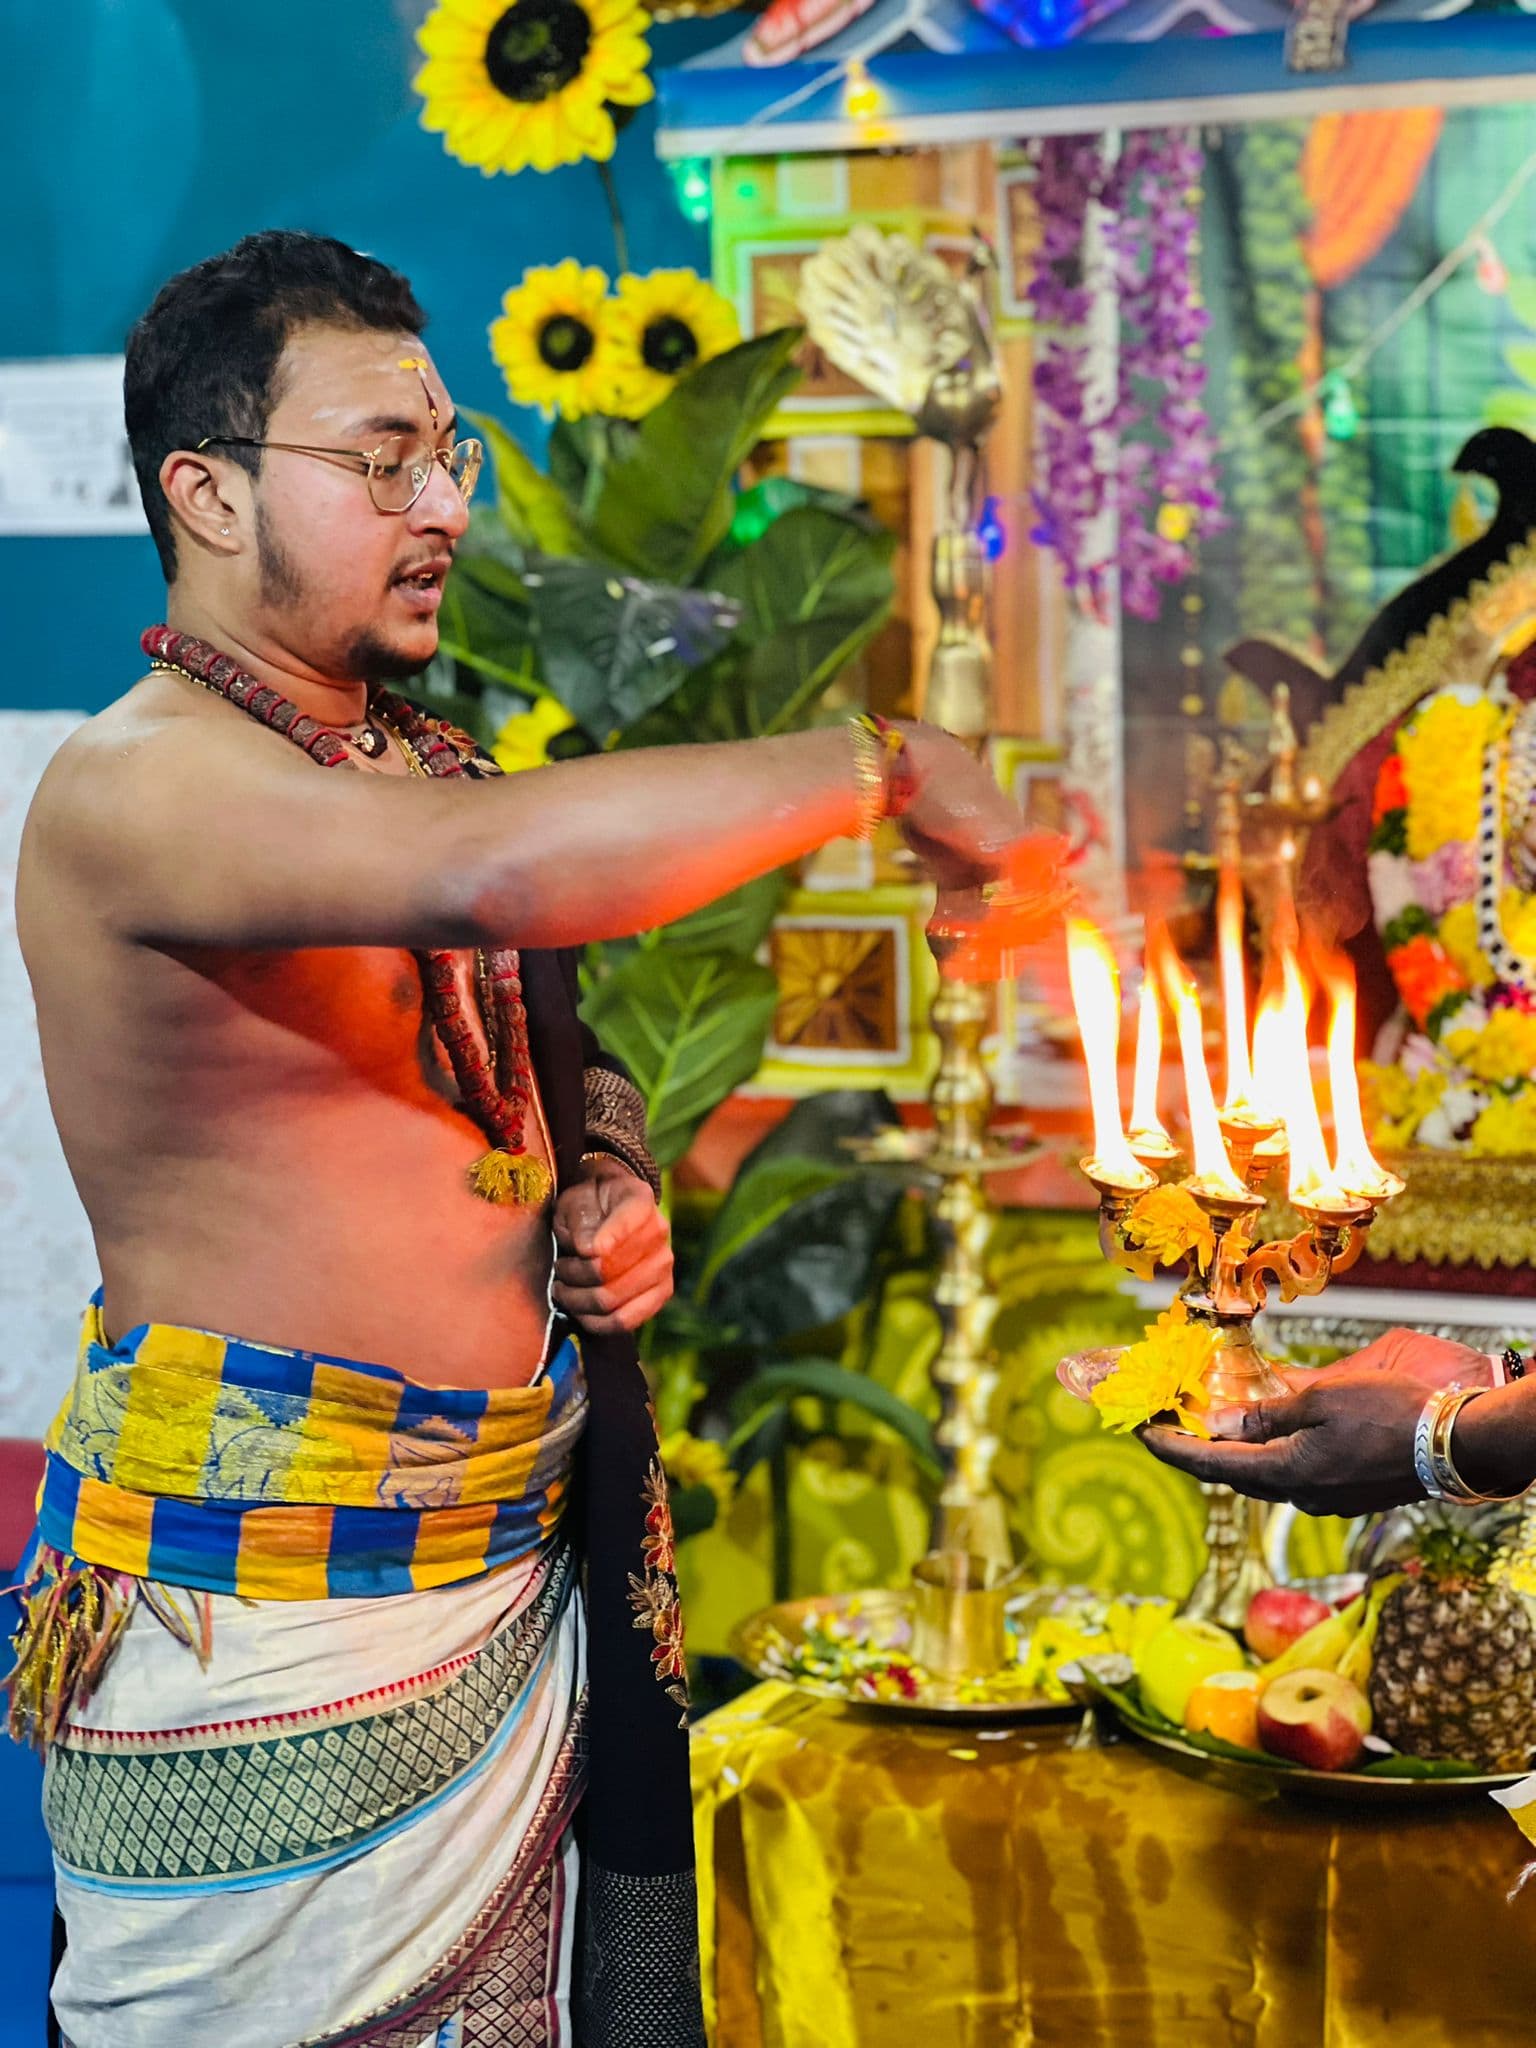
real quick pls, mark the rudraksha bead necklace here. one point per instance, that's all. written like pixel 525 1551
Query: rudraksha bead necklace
pixel 496 1090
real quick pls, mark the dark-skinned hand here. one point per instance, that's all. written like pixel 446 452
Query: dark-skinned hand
pixel 614 1269
pixel 1341 1441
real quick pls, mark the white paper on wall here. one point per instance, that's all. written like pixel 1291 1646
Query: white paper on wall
pixel 47 1260
pixel 64 461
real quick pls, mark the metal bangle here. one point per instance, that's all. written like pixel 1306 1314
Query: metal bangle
pixel 1433 1463
pixel 869 772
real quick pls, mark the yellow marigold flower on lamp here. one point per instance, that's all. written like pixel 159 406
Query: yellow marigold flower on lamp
pixel 660 327
pixel 1165 1225
pixel 549 340
pixel 531 84
pixel 1160 1376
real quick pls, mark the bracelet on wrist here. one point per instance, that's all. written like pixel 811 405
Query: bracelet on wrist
pixel 882 767
pixel 1433 1464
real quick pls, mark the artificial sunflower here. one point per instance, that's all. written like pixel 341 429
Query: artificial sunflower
pixel 550 340
pixel 534 83
pixel 660 327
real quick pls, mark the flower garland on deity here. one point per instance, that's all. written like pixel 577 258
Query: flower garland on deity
pixel 1451 884
pixel 1147 454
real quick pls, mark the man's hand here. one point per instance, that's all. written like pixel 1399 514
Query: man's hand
pixel 614 1271
pixel 1341 1442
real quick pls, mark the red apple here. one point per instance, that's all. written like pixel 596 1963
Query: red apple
pixel 1315 1718
pixel 1277 1616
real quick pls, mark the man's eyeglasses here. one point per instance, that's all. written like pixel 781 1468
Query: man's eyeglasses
pixel 398 470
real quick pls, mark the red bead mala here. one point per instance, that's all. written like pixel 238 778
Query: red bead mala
pixel 496 1092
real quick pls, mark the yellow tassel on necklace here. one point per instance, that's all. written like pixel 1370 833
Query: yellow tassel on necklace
pixel 511 1177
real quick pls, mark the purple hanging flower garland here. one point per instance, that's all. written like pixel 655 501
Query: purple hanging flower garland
pixel 1161 481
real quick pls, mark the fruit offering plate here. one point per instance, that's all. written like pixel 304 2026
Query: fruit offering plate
pixel 1389 1780
pixel 857 1648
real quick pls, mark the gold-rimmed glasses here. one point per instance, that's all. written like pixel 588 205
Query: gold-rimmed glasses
pixel 398 470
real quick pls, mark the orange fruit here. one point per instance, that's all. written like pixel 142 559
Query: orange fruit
pixel 1226 1705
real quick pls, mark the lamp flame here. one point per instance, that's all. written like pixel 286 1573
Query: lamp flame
pixel 1283 1076
pixel 1234 992
pixel 1145 1121
pixel 1212 1164
pixel 1356 1169
pixel 1095 983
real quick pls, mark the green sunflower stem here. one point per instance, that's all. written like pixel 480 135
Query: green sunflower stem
pixel 616 216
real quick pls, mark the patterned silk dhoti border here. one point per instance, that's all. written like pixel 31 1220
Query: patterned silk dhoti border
pixel 352 1826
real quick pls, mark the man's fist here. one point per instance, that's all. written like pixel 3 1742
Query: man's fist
pixel 614 1269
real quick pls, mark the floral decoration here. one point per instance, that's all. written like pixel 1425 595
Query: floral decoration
pixel 551 340
pixel 534 84
pixel 1162 1375
pixel 653 1594
pixel 1462 1072
pixel 1148 454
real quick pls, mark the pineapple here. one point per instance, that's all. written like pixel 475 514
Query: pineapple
pixel 1453 1670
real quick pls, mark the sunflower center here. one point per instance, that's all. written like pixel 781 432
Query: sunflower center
pixel 669 346
pixel 565 342
pixel 537 47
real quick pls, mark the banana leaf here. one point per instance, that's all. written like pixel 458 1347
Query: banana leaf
pixel 666 498
pixel 690 1027
pixel 822 1379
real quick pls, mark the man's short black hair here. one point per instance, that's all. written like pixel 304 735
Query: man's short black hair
pixel 202 362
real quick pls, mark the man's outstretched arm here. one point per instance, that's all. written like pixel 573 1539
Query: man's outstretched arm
pixel 195 831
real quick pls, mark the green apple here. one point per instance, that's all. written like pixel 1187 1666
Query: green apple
pixel 1172 1663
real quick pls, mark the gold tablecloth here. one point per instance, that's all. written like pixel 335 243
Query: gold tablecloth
pixel 868 1884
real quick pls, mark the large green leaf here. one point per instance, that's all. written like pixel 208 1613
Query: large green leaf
pixel 485 623
pixel 823 1380
pixel 1521 358
pixel 759 1200
pixel 818 1126
pixel 807 1262
pixel 614 647
pixel 736 923
pixel 531 505
pixel 690 1027
pixel 666 500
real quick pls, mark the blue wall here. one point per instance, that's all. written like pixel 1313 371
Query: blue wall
pixel 141 135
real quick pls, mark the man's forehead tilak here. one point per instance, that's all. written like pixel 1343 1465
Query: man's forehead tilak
pixel 414 367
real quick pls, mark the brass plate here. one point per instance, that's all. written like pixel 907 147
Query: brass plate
pixel 885 1620
pixel 1331 1788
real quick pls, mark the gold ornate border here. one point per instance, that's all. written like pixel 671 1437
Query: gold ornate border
pixel 1462 645
pixel 1454 1211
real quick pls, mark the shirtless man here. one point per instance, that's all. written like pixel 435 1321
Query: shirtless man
pixel 226 946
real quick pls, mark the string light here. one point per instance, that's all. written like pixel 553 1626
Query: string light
pixel 691 181
pixel 991 532
pixel 1492 277
pixel 862 98
pixel 1469 247
pixel 1341 416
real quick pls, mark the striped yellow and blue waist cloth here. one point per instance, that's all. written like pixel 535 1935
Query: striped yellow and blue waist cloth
pixel 205 1461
